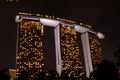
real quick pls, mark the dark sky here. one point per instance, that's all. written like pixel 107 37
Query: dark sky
pixel 103 15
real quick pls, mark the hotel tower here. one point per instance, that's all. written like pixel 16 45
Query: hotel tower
pixel 46 43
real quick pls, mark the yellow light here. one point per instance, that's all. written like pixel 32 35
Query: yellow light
pixel 81 23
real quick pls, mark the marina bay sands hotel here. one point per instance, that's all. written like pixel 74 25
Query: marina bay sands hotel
pixel 47 43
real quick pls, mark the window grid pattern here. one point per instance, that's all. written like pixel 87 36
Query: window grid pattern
pixel 30 52
pixel 70 51
pixel 95 50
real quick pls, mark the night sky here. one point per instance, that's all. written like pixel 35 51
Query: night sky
pixel 103 15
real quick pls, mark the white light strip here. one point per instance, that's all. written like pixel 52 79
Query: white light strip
pixel 71 25
pixel 81 29
pixel 18 26
pixel 49 22
pixel 17 18
pixel 30 18
pixel 87 54
pixel 100 35
pixel 54 23
pixel 58 49
pixel 92 31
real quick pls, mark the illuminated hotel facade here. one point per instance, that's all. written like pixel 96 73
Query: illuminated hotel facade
pixel 74 47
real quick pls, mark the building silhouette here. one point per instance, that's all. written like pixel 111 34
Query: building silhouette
pixel 48 43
